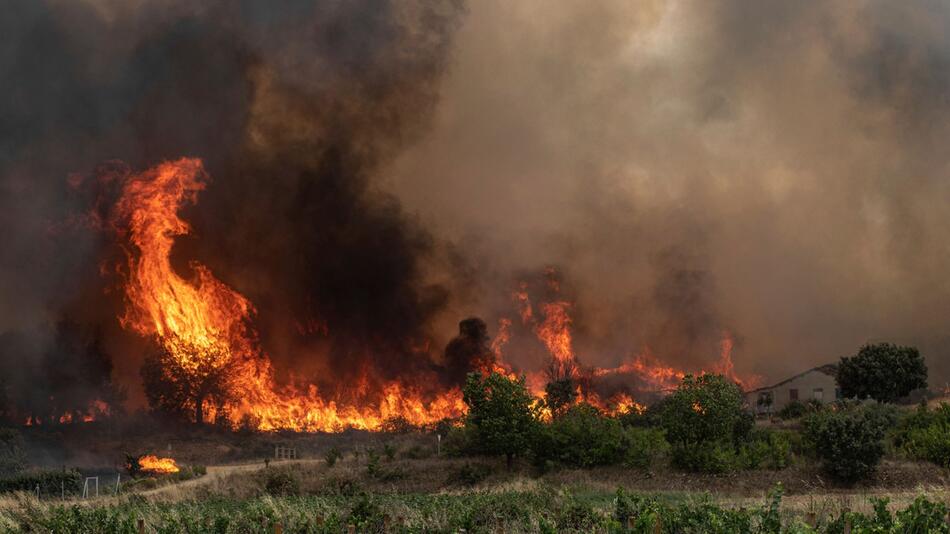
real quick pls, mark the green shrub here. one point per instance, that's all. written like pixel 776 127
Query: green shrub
pixel 372 462
pixel 502 416
pixel 712 457
pixel 581 437
pixel 848 442
pixel 766 449
pixel 705 421
pixel 643 447
pixel 332 455
pixel 459 441
pixel 925 435
pixel 793 410
pixel 389 450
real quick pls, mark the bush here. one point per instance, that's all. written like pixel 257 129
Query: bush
pixel 925 435
pixel 501 415
pixel 51 482
pixel 796 409
pixel 281 483
pixel 332 455
pixel 705 421
pixel 643 447
pixel 712 457
pixel 581 437
pixel 766 449
pixel 390 450
pixel 848 442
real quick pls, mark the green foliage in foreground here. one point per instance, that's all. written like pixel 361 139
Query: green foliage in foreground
pixel 544 510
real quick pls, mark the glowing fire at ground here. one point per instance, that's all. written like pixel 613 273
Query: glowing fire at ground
pixel 153 464
pixel 202 327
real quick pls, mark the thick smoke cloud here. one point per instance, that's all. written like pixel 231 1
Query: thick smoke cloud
pixel 293 107
pixel 381 170
pixel 770 169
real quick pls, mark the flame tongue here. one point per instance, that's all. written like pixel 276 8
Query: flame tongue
pixel 203 325
pixel 204 328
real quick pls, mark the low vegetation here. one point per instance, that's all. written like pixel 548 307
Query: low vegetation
pixel 542 509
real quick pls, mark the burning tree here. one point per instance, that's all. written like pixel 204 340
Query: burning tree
pixel 181 377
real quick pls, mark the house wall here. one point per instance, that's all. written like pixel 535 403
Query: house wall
pixel 805 385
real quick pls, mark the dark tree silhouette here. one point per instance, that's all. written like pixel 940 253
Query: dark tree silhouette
pixel 883 372
pixel 182 378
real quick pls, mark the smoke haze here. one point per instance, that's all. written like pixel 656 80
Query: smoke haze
pixel 770 171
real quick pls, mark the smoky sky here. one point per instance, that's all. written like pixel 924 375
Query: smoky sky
pixel 293 108
pixel 772 169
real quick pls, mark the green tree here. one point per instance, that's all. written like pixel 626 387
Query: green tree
pixel 849 442
pixel 560 395
pixel 501 415
pixel 883 372
pixel 704 419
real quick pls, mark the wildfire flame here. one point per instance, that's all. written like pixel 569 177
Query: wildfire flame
pixel 153 464
pixel 204 325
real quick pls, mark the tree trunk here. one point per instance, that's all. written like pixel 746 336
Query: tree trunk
pixel 199 410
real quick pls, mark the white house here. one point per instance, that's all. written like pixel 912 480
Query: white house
pixel 817 383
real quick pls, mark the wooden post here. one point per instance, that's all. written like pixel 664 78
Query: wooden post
pixel 318 520
pixel 351 529
pixel 141 526
pixel 278 528
pixel 810 519
pixel 386 524
pixel 847 525
pixel 658 526
pixel 629 522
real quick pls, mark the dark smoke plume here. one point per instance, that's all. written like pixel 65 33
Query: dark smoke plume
pixel 293 106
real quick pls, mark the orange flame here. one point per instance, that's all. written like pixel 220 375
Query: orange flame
pixel 153 464
pixel 204 325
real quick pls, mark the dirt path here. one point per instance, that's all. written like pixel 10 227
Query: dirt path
pixel 215 474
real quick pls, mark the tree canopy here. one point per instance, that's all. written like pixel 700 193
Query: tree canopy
pixel 883 372
pixel 702 409
pixel 501 414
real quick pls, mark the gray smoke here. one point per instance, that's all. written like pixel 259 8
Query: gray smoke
pixel 772 169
